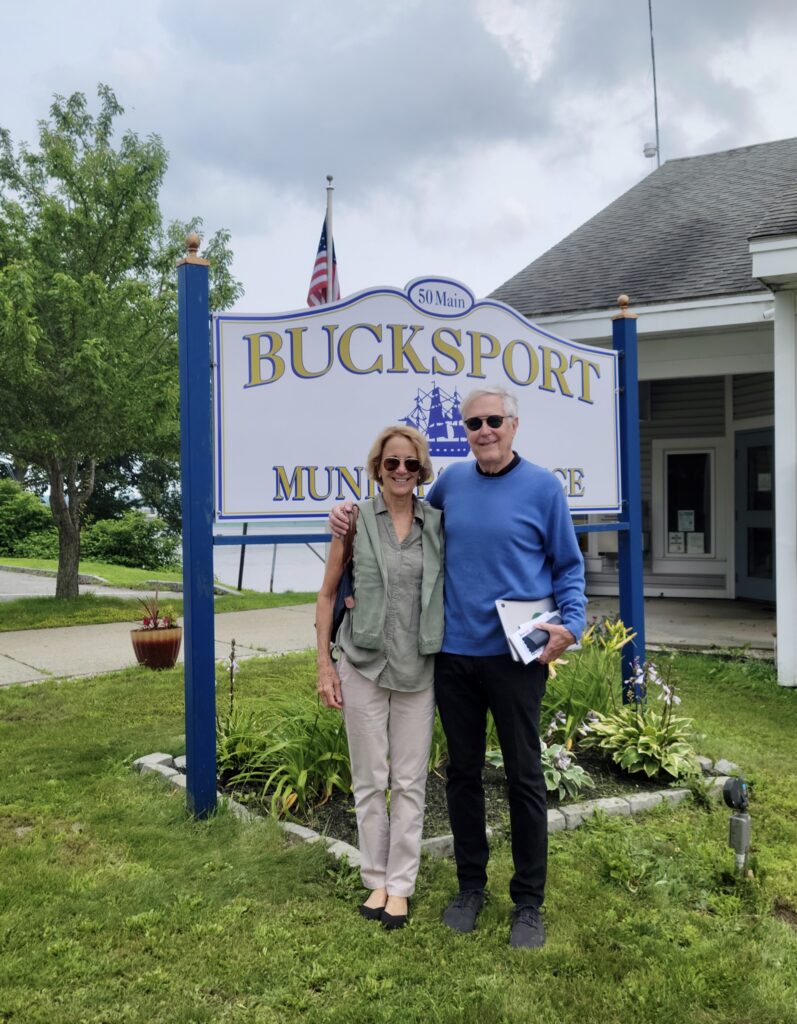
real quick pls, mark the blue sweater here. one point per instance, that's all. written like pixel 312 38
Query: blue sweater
pixel 508 537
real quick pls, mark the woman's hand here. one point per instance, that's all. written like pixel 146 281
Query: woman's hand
pixel 328 681
pixel 329 686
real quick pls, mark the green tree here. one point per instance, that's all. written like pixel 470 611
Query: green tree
pixel 88 304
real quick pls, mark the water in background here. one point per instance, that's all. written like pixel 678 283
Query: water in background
pixel 295 566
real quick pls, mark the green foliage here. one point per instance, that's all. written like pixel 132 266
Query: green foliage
pixel 118 905
pixel 561 773
pixel 640 739
pixel 646 737
pixel 44 612
pixel 157 616
pixel 43 544
pixel 139 480
pixel 88 305
pixel 438 751
pixel 585 683
pixel 296 753
pixel 134 540
pixel 22 515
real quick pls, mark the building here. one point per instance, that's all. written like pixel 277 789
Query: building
pixel 706 248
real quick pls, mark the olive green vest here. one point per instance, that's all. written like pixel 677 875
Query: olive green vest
pixel 370 582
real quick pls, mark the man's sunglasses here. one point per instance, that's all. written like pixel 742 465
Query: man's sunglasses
pixel 392 463
pixel 475 422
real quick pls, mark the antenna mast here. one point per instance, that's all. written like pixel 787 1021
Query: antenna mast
pixel 655 93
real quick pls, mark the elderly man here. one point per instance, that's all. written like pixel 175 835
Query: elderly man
pixel 508 535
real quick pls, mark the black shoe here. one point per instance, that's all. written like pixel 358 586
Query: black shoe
pixel 462 911
pixel 371 913
pixel 527 931
pixel 390 922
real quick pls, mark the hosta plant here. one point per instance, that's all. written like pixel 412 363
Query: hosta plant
pixel 561 773
pixel 644 736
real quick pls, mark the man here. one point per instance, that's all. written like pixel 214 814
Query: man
pixel 508 535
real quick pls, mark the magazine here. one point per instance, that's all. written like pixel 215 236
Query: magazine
pixel 528 640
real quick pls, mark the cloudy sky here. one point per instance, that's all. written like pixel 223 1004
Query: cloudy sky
pixel 465 136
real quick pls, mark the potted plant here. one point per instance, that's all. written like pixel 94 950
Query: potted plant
pixel 156 642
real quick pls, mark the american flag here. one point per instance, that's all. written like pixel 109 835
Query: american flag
pixel 317 295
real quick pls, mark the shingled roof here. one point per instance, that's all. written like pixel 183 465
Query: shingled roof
pixel 681 233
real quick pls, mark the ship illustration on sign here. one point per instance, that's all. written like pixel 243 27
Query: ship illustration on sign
pixel 437 415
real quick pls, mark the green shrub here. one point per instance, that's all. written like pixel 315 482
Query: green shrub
pixel 646 737
pixel 584 683
pixel 39 545
pixel 559 769
pixel 134 541
pixel 22 515
pixel 296 753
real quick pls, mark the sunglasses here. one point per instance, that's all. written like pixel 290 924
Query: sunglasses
pixel 392 463
pixel 475 422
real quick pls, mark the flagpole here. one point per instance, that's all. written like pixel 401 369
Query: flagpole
pixel 330 243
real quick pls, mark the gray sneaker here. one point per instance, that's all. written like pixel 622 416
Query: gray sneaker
pixel 462 911
pixel 527 931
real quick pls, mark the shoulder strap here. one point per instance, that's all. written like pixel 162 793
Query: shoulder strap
pixel 348 537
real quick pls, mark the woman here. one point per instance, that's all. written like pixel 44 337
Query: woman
pixel 383 680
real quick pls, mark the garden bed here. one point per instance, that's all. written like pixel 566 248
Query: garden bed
pixel 336 818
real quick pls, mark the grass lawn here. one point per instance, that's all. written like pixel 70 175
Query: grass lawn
pixel 115 575
pixel 90 609
pixel 116 907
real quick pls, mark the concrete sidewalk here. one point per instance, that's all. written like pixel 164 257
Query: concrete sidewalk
pixel 30 656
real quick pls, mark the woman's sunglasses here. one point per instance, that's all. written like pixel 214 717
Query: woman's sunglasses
pixel 475 422
pixel 392 463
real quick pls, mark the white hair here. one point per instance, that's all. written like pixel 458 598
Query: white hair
pixel 508 400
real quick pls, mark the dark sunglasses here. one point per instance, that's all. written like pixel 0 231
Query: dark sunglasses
pixel 391 464
pixel 475 422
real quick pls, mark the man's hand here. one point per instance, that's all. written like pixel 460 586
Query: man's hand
pixel 559 639
pixel 338 521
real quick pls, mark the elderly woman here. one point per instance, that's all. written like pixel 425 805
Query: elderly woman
pixel 383 680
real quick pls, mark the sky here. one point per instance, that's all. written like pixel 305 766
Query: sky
pixel 465 137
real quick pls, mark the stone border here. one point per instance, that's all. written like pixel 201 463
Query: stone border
pixel 53 573
pixel 172 769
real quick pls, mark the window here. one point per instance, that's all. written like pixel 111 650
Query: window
pixel 689 478
pixel 691 506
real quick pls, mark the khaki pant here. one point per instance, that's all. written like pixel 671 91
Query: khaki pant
pixel 390 733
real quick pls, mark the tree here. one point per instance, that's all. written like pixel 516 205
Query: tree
pixel 88 304
pixel 138 480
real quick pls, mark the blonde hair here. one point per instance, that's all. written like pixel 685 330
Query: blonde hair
pixel 416 439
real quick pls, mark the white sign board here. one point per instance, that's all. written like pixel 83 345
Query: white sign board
pixel 299 397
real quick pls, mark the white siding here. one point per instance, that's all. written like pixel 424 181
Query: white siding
pixel 681 408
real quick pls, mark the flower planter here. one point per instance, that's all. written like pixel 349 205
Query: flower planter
pixel 157 648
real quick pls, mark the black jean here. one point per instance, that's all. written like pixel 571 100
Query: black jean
pixel 465 688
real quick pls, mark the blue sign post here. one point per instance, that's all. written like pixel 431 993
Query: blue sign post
pixel 196 469
pixel 629 521
pixel 629 540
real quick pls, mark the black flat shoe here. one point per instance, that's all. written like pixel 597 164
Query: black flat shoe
pixel 390 922
pixel 371 913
